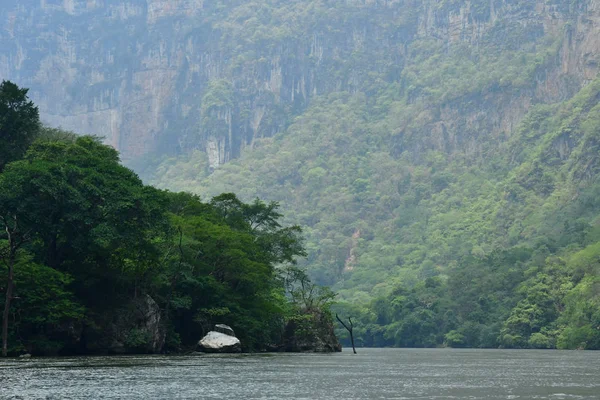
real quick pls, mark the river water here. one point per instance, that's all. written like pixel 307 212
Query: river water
pixel 371 374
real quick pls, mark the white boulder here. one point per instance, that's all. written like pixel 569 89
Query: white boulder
pixel 217 342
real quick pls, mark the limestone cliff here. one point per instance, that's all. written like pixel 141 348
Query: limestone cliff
pixel 175 75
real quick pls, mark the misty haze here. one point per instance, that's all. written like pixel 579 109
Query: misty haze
pixel 304 199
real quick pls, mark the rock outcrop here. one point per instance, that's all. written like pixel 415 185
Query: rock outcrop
pixel 225 329
pixel 313 333
pixel 221 340
pixel 135 328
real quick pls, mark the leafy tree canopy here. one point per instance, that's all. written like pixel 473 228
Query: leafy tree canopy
pixel 19 122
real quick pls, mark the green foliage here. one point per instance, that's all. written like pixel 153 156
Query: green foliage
pixel 454 339
pixel 540 341
pixel 435 221
pixel 137 339
pixel 229 251
pixel 44 310
pixel 101 245
pixel 19 122
pixel 397 179
pixel 581 318
pixel 89 216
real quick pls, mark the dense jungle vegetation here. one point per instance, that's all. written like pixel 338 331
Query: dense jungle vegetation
pixel 497 252
pixel 93 260
pixel 436 226
pixel 441 157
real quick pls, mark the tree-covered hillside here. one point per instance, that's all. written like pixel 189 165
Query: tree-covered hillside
pixel 94 261
pixel 441 156
pixel 453 202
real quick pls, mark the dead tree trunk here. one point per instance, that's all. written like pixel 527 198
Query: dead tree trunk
pixel 349 329
pixel 175 277
pixel 9 293
pixel 15 241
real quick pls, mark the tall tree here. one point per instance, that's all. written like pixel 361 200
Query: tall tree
pixel 19 122
pixel 90 217
pixel 15 238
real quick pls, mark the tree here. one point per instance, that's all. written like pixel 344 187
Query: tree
pixel 349 328
pixel 19 122
pixel 15 238
pixel 83 203
pixel 280 244
pixel 88 216
pixel 44 315
pixel 305 294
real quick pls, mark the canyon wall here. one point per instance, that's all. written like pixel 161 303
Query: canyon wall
pixel 168 76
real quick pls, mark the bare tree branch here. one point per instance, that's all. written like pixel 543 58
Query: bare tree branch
pixel 349 329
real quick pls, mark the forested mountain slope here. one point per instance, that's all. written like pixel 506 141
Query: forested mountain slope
pixel 521 217
pixel 441 155
pixel 456 205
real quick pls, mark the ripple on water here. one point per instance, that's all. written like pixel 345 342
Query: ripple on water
pixel 372 374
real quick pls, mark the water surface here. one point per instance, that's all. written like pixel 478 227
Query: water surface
pixel 371 374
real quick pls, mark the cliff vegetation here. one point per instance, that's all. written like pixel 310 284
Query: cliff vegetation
pixel 453 201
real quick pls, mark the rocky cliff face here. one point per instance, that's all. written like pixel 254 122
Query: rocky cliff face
pixel 313 332
pixel 158 75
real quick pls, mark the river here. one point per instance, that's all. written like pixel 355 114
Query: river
pixel 371 374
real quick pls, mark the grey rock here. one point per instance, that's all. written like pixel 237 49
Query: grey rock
pixel 152 324
pixel 138 328
pixel 226 329
pixel 315 335
pixel 217 342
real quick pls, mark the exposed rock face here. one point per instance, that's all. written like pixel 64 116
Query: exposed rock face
pixel 195 74
pixel 314 334
pixel 137 328
pixel 151 322
pixel 221 340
